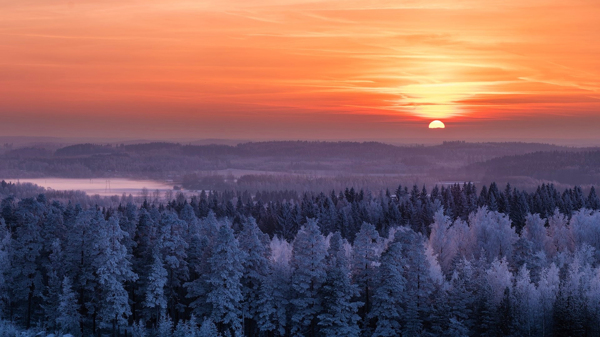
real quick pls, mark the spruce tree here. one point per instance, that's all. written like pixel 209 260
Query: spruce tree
pixel 388 298
pixel 208 329
pixel 225 294
pixel 113 270
pixel 173 249
pixel 364 262
pixel 338 317
pixel 155 293
pixel 255 270
pixel 308 276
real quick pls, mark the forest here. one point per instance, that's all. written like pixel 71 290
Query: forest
pixel 452 261
pixel 308 166
pixel 577 167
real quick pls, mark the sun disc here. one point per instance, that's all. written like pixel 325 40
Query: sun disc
pixel 437 125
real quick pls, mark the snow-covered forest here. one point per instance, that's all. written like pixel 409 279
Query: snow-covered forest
pixel 453 261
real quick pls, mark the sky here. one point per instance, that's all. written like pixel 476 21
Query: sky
pixel 300 69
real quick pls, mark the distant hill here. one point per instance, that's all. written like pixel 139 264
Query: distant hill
pixel 567 167
pixel 449 161
pixel 83 150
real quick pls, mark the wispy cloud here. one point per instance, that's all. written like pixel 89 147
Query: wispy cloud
pixel 406 59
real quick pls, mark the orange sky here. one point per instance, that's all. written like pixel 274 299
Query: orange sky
pixel 320 69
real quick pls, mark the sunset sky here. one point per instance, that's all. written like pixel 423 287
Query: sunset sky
pixel 296 69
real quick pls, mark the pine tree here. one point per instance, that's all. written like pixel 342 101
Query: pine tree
pixel 68 317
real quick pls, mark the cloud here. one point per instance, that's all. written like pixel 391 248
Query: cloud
pixel 406 60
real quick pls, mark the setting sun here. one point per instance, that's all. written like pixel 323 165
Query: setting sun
pixel 437 125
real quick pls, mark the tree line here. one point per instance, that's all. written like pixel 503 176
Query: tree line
pixel 451 261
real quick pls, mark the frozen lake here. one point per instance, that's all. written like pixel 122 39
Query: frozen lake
pixel 100 186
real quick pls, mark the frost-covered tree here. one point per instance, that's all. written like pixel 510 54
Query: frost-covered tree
pixel 155 291
pixel 139 329
pixel 548 289
pixel 275 292
pixel 145 243
pixel 208 329
pixel 535 231
pixel 308 264
pixel 55 274
pixel 492 234
pixel 585 229
pixel 442 241
pixel 199 253
pixel 5 268
pixel 456 328
pixel 27 275
pixel 165 327
pixel 113 270
pixel 255 271
pixel 473 276
pixel 338 317
pixel 419 284
pixel 460 237
pixel 173 249
pixel 562 240
pixel 526 303
pixel 460 296
pixel 68 318
pixel 388 298
pixel 225 293
pixel 499 278
pixel 365 258
pixel 81 258
pixel 186 329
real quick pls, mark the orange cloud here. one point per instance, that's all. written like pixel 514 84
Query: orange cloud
pixel 202 67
